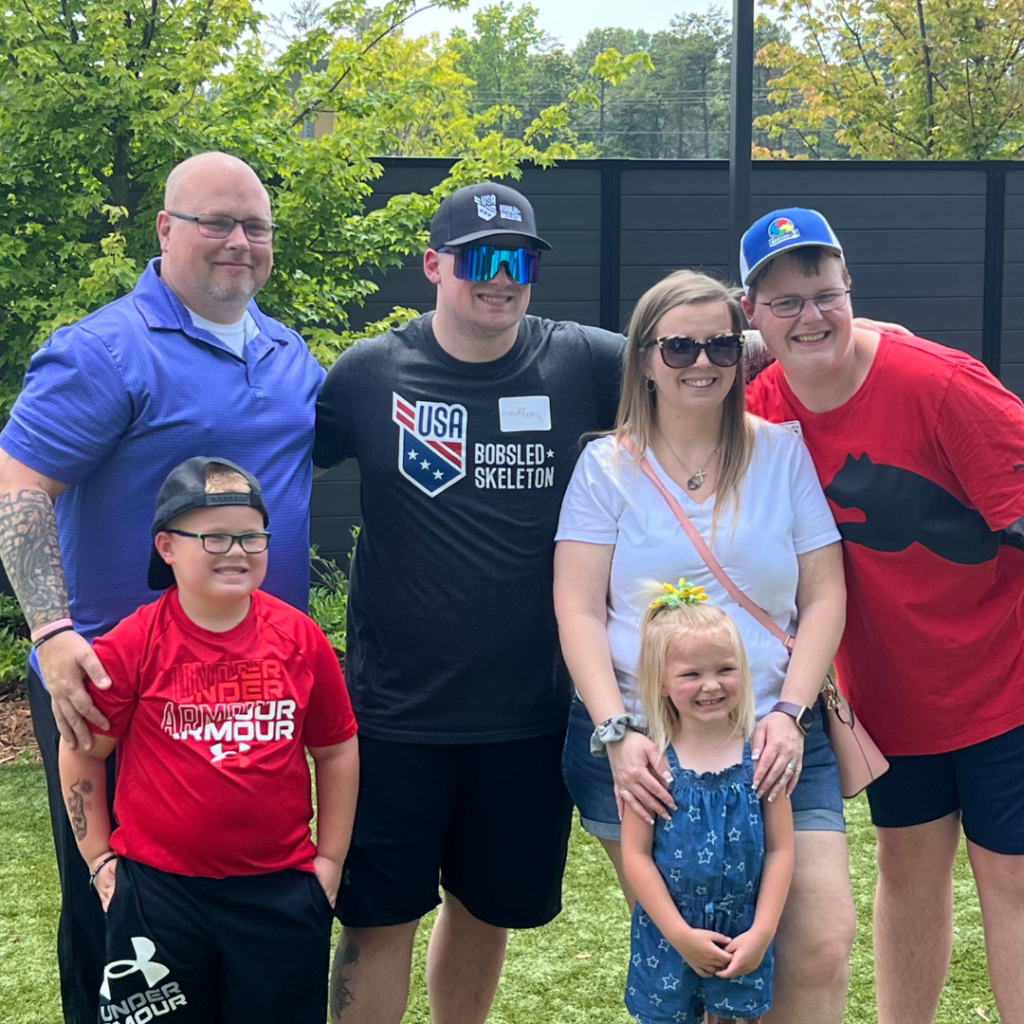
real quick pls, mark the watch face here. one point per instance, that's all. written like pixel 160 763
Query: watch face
pixel 805 720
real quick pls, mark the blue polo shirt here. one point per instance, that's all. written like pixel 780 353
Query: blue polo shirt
pixel 114 402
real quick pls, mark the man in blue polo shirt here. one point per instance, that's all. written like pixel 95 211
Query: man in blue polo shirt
pixel 184 365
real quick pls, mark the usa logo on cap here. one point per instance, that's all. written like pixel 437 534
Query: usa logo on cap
pixel 782 229
pixel 431 443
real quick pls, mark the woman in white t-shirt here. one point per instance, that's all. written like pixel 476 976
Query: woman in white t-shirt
pixel 751 491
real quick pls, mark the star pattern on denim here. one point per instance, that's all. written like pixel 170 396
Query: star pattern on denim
pixel 742 866
pixel 752 797
pixel 693 813
pixel 636 959
pixel 759 983
pixel 670 981
pixel 702 890
pixel 724 1005
pixel 652 962
pixel 631 990
pixel 734 835
pixel 680 1016
pixel 675 874
pixel 726 867
pixel 642 919
pixel 753 819
pixel 704 856
pixel 664 944
pixel 711 838
pixel 668 826
pixel 678 854
pixel 656 999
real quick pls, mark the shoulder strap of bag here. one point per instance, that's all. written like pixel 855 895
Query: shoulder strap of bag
pixel 705 552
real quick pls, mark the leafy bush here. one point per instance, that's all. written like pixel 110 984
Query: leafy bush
pixel 328 596
pixel 14 647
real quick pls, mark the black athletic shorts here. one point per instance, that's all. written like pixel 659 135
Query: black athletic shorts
pixel 490 821
pixel 984 781
pixel 251 949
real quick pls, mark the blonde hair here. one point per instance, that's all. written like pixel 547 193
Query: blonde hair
pixel 221 479
pixel 635 417
pixel 663 628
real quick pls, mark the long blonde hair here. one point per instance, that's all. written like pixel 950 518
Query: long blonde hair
pixel 662 629
pixel 636 415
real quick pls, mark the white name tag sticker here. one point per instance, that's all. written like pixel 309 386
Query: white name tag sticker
pixel 793 425
pixel 529 412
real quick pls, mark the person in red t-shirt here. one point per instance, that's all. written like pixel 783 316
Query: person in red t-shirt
pixel 219 905
pixel 920 452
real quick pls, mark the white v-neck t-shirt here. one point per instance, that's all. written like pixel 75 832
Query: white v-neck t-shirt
pixel 782 513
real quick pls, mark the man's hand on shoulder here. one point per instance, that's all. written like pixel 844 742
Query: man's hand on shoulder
pixel 65 662
pixel 880 326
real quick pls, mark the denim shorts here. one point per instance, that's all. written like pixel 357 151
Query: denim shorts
pixel 817 801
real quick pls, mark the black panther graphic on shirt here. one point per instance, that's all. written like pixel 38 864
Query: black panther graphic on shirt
pixel 901 507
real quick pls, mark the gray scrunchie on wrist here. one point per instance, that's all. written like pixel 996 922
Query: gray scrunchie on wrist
pixel 610 731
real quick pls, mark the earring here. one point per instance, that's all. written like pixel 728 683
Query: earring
pixel 650 385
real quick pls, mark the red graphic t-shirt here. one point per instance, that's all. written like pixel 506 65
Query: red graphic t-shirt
pixel 923 469
pixel 212 778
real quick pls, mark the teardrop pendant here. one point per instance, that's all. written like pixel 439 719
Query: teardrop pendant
pixel 696 481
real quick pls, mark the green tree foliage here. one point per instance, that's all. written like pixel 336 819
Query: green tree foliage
pixel 101 98
pixel 902 79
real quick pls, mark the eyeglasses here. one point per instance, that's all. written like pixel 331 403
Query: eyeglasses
pixel 678 351
pixel 258 231
pixel 482 262
pixel 788 306
pixel 222 543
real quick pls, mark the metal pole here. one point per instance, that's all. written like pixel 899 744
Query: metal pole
pixel 741 115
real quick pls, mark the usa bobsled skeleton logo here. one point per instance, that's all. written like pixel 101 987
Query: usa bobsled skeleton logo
pixel 431 443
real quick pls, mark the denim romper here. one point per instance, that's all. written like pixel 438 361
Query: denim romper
pixel 710 855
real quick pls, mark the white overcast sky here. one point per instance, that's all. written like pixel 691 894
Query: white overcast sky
pixel 568 20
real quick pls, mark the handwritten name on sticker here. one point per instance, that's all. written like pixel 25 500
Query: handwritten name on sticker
pixel 528 412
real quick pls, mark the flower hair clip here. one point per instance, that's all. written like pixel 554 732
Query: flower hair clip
pixel 677 597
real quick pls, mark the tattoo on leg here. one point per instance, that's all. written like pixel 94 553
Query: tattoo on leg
pixel 341 995
pixel 76 808
pixel 30 550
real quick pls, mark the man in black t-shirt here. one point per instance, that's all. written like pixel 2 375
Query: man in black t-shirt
pixel 466 424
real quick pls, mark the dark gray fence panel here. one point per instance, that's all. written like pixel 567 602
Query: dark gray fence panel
pixel 1013 284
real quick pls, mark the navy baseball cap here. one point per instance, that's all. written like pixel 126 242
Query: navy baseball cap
pixel 479 211
pixel 781 231
pixel 185 489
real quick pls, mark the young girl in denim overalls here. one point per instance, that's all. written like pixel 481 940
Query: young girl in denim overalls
pixel 712 881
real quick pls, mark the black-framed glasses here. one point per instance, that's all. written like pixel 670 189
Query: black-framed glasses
pixel 482 262
pixel 215 226
pixel 222 543
pixel 788 306
pixel 678 351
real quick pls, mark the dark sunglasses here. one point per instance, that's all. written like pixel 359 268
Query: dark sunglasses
pixel 678 351
pixel 482 262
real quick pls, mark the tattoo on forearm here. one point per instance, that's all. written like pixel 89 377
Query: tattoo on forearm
pixel 76 808
pixel 345 958
pixel 30 550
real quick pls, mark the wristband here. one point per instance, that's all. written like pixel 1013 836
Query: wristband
pixel 610 731
pixel 43 631
pixel 53 632
pixel 99 867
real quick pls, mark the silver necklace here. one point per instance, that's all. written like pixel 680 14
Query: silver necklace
pixel 695 481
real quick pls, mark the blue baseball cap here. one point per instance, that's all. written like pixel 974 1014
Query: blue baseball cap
pixel 780 231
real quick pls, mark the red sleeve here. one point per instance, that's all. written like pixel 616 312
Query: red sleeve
pixel 119 652
pixel 981 430
pixel 329 717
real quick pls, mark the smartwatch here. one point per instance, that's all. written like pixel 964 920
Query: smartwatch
pixel 803 716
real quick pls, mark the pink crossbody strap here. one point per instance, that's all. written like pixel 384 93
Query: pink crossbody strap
pixel 704 551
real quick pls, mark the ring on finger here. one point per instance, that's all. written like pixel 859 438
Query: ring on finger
pixel 790 767
pixel 623 792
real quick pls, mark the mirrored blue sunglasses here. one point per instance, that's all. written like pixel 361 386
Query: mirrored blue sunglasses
pixel 482 262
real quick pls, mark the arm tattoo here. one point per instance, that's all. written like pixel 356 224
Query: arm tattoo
pixel 341 995
pixel 30 550
pixel 76 808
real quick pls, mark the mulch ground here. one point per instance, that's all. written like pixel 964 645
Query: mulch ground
pixel 17 741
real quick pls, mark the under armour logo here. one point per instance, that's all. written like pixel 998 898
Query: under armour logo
pixel 151 971
pixel 218 754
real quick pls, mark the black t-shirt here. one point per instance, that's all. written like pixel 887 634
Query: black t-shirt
pixel 451 628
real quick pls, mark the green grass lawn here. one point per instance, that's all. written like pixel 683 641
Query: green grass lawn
pixel 570 972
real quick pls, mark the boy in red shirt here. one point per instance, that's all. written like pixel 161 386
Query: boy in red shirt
pixel 219 906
